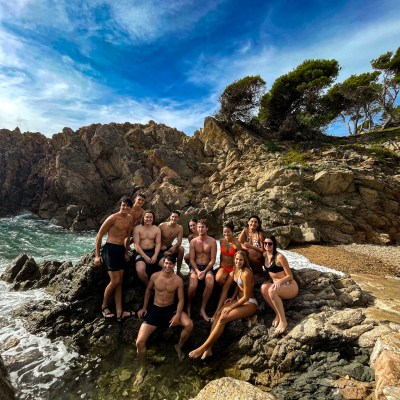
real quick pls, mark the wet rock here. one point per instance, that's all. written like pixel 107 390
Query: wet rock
pixel 14 268
pixel 7 391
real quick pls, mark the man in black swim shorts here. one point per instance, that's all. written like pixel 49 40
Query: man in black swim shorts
pixel 162 313
pixel 119 228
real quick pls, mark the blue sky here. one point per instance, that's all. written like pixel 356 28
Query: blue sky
pixel 73 63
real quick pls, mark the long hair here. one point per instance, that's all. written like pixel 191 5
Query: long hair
pixel 192 220
pixel 148 212
pixel 246 260
pixel 259 227
pixel 274 246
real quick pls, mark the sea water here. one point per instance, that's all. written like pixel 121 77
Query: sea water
pixel 39 367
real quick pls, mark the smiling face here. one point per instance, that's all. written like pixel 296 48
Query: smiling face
pixel 148 218
pixel 253 223
pixel 174 218
pixel 124 208
pixel 168 266
pixel 193 227
pixel 202 229
pixel 139 201
pixel 239 261
pixel 228 234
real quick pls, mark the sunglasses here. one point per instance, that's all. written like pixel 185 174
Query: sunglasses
pixel 268 243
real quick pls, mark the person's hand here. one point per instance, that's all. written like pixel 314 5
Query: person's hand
pixel 201 274
pixel 98 261
pixel 141 313
pixel 226 310
pixel 228 301
pixel 174 320
pixel 127 256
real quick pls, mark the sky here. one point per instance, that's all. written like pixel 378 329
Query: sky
pixel 71 63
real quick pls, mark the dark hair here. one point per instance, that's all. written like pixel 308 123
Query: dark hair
pixel 176 212
pixel 192 220
pixel 202 222
pixel 259 228
pixel 246 260
pixel 170 258
pixel 139 194
pixel 148 212
pixel 274 246
pixel 127 200
pixel 229 225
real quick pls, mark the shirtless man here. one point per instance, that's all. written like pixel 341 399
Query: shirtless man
pixel 118 227
pixel 162 313
pixel 137 210
pixel 203 252
pixel 147 239
pixel 169 231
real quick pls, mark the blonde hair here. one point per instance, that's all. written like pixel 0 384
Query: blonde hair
pixel 246 263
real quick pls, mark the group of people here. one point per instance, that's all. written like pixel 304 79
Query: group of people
pixel 158 249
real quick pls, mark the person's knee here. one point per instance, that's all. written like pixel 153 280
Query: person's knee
pixel 210 280
pixel 264 289
pixel 140 344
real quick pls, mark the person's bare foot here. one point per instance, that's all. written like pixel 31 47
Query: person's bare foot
pixel 140 376
pixel 181 354
pixel 205 316
pixel 275 322
pixel 207 353
pixel 281 328
pixel 196 353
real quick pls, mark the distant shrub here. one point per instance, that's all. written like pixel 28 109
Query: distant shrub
pixel 294 157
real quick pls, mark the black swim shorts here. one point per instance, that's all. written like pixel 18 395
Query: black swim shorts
pixel 113 256
pixel 201 268
pixel 150 268
pixel 160 316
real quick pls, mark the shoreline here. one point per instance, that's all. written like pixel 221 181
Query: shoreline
pixel 354 258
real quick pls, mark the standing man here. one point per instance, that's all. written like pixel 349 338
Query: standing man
pixel 169 231
pixel 162 313
pixel 147 239
pixel 118 227
pixel 203 253
pixel 137 210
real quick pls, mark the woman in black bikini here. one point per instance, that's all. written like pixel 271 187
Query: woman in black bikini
pixel 282 287
pixel 242 304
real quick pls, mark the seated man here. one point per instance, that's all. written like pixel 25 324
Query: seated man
pixel 170 231
pixel 162 313
pixel 202 252
pixel 147 239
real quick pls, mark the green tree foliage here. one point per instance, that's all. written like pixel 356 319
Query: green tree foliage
pixel 295 101
pixel 355 101
pixel 389 65
pixel 240 99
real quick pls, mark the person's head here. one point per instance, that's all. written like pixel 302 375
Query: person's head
pixel 140 198
pixel 241 260
pixel 192 225
pixel 202 227
pixel 174 217
pixel 169 263
pixel 270 244
pixel 148 218
pixel 254 222
pixel 126 204
pixel 228 229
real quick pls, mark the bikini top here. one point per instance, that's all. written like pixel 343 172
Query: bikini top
pixel 254 239
pixel 239 280
pixel 231 251
pixel 272 267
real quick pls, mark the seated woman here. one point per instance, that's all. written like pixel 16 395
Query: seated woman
pixel 229 246
pixel 242 304
pixel 283 286
pixel 192 225
pixel 252 238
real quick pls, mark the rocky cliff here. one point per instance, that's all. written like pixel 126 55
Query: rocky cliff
pixel 334 190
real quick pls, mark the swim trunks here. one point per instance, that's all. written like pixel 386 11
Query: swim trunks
pixel 160 316
pixel 113 256
pixel 150 268
pixel 202 268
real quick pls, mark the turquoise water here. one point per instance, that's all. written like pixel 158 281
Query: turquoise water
pixel 41 240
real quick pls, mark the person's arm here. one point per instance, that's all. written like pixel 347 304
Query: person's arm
pixel 178 243
pixel 158 246
pixel 284 263
pixel 243 236
pixel 175 320
pixel 102 231
pixel 248 285
pixel 210 265
pixel 143 311
pixel 192 254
